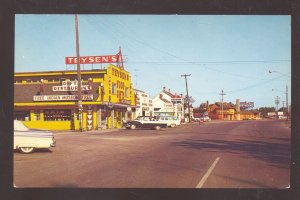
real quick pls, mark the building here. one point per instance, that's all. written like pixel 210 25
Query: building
pixel 49 100
pixel 231 112
pixel 167 103
pixel 144 106
pixel 215 111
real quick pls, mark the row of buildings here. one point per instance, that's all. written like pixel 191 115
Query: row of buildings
pixel 49 100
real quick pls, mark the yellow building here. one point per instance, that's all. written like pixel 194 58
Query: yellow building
pixel 49 100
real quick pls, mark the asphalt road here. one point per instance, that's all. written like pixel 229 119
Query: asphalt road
pixel 239 154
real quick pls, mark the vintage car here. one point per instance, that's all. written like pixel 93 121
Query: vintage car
pixel 27 140
pixel 170 120
pixel 145 122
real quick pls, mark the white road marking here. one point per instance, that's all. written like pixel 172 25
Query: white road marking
pixel 205 177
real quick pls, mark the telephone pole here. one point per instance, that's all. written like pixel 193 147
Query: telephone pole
pixel 78 75
pixel 222 94
pixel 287 103
pixel 187 94
pixel 277 101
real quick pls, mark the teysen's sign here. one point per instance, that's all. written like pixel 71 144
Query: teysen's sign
pixel 93 59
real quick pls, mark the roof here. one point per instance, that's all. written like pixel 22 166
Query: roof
pixel 165 100
pixel 172 95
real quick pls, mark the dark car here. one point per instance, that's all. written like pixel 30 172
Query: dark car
pixel 146 122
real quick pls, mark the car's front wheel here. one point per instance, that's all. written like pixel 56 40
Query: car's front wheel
pixel 157 127
pixel 132 127
pixel 173 125
pixel 26 149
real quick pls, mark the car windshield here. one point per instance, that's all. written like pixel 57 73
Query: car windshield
pixel 19 126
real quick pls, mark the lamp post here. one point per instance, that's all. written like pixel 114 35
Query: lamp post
pixel 286 93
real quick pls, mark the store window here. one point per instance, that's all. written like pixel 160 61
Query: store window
pixel 37 115
pixel 114 88
pixel 126 91
pixel 57 115
pixel 22 115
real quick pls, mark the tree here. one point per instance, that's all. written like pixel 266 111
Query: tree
pixel 191 100
pixel 264 110
pixel 203 108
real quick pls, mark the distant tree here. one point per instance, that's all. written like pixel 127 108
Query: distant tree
pixel 264 110
pixel 191 101
pixel 203 108
pixel 282 109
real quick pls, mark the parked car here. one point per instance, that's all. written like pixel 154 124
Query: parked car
pixel 145 122
pixel 206 118
pixel 170 120
pixel 27 140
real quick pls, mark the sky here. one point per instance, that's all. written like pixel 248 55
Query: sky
pixel 221 52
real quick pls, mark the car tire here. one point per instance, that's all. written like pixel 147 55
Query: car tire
pixel 173 125
pixel 132 127
pixel 26 149
pixel 157 127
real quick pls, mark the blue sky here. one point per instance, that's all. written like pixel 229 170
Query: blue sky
pixel 233 53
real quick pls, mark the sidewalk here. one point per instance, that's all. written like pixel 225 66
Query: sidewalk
pixel 66 132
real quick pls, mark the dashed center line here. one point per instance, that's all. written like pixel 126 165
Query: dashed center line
pixel 205 177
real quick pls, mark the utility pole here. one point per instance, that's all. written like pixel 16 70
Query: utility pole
pixel 287 103
pixel 277 101
pixel 78 75
pixel 222 94
pixel 187 94
pixel 283 105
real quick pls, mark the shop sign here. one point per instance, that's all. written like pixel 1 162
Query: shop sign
pixel 70 86
pixel 93 59
pixel 124 101
pixel 62 97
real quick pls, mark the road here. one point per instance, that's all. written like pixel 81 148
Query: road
pixel 238 154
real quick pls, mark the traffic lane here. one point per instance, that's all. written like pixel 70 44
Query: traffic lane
pixel 256 154
pixel 136 163
pixel 117 162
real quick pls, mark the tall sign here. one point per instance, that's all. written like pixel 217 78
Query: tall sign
pixel 97 59
pixel 246 105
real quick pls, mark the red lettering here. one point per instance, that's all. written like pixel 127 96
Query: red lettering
pixel 91 59
pixel 83 59
pixel 114 59
pixel 98 59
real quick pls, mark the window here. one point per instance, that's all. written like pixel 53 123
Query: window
pixel 22 115
pixel 126 91
pixel 114 88
pixel 37 115
pixel 57 115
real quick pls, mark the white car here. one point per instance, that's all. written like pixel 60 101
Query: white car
pixel 27 140
pixel 170 120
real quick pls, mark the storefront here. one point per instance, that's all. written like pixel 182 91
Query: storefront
pixel 49 100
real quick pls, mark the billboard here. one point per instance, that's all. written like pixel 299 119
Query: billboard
pixel 246 105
